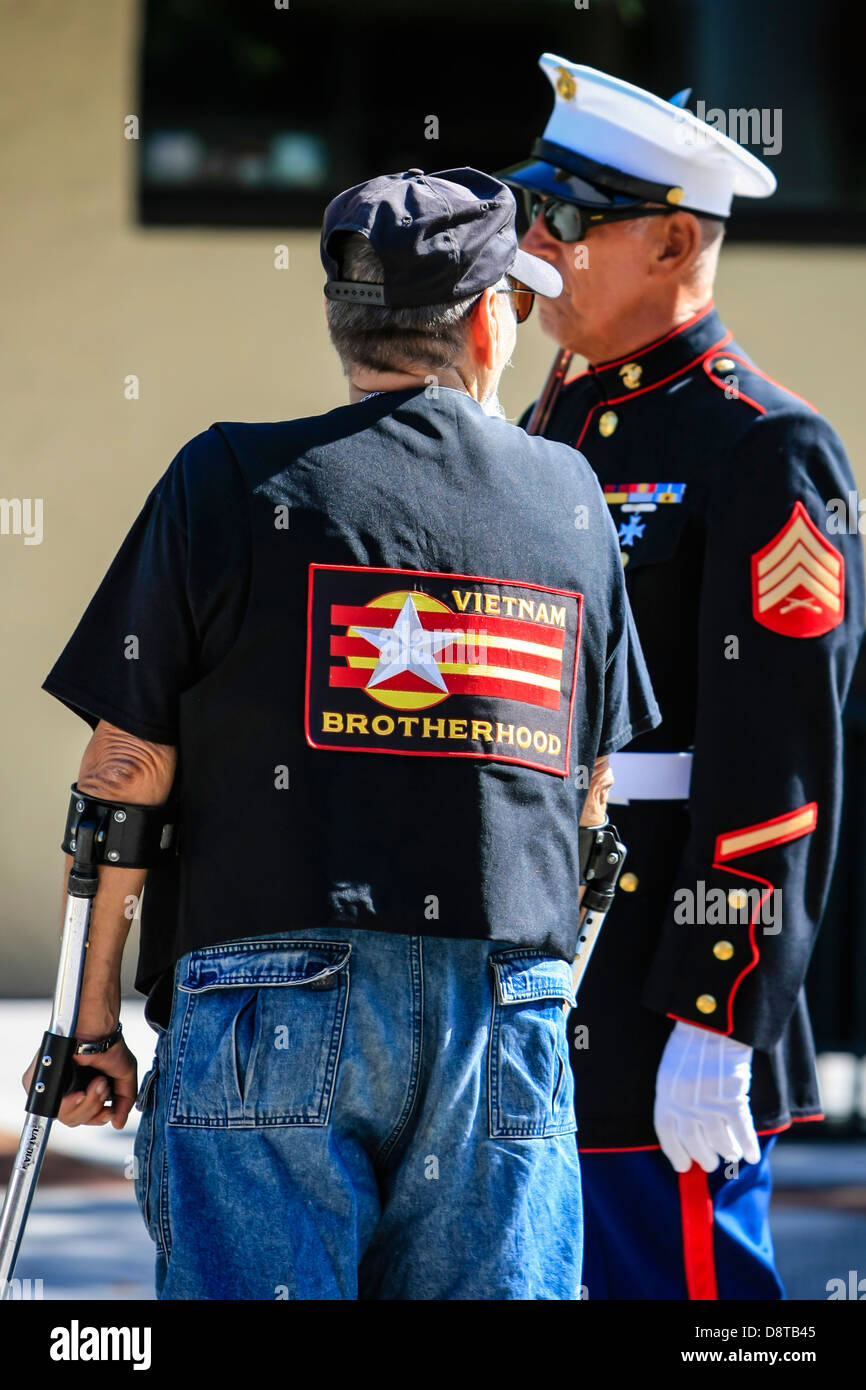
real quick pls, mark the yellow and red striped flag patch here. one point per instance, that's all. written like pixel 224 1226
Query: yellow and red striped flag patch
pixel 496 659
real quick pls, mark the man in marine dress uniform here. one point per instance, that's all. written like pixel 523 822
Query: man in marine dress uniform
pixel 696 1048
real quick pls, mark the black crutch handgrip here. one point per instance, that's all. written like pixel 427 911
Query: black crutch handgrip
pixel 57 1074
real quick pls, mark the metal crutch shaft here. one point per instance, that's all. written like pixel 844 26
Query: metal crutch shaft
pixel 97 831
pixel 602 865
pixel 52 1075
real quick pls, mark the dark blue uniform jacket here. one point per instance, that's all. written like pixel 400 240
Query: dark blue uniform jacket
pixel 731 497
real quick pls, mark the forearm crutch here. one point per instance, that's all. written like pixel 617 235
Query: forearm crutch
pixel 602 855
pixel 115 833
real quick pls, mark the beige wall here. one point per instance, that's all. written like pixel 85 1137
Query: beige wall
pixel 213 332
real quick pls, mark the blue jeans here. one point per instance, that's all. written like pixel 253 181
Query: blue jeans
pixel 348 1114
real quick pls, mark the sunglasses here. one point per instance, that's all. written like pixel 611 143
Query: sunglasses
pixel 523 300
pixel 571 222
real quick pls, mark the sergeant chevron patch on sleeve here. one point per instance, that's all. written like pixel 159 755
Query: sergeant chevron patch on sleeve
pixel 441 665
pixel 798 580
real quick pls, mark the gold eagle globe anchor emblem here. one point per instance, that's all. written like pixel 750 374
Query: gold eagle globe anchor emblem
pixel 631 374
pixel 566 86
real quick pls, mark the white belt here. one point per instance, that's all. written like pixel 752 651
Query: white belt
pixel 650 777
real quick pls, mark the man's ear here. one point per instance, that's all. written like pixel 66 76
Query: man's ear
pixel 676 244
pixel 484 330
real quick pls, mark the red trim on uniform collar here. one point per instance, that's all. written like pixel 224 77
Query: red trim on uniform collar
pixel 601 367
pixel 652 386
pixel 660 361
pixel 657 342
pixel 716 347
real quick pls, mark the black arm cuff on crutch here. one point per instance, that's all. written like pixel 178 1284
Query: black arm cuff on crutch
pixel 129 835
pixel 602 855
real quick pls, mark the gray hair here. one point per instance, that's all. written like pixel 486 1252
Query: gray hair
pixel 374 336
pixel 712 235
pixel 712 230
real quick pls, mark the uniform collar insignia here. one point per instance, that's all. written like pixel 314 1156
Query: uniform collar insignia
pixel 650 366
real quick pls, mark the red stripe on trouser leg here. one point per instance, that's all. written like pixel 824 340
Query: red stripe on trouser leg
pixel 696 1207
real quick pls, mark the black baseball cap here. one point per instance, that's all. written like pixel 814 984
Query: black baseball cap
pixel 440 237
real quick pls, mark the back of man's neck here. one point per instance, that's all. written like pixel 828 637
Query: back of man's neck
pixel 364 382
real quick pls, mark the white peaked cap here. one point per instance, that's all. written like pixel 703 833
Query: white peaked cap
pixel 612 123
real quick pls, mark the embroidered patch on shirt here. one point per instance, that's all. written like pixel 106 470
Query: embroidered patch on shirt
pixel 441 665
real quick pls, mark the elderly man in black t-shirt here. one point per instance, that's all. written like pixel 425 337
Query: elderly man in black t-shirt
pixel 359 966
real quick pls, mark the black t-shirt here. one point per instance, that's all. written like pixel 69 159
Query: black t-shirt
pixel 171 603
pixel 405 576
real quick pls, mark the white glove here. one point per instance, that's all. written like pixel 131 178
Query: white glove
pixel 702 1100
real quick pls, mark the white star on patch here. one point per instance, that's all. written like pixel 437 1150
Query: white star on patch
pixel 407 646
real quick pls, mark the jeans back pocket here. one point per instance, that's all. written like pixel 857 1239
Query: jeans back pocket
pixel 259 1040
pixel 530 1084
